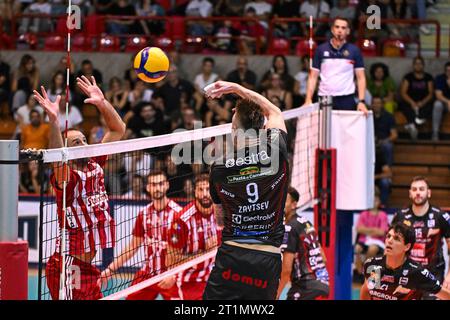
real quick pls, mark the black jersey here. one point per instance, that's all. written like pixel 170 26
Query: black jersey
pixel 301 239
pixel 252 185
pixel 408 282
pixel 430 229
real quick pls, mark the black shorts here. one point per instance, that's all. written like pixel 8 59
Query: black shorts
pixel 308 290
pixel 243 274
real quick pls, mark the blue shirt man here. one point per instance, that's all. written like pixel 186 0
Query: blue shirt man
pixel 337 62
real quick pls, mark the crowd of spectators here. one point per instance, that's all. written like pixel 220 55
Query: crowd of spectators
pixel 229 35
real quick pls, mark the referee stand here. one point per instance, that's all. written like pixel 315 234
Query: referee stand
pixel 334 227
pixel 13 253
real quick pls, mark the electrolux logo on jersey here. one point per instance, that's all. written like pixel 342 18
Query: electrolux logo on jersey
pixel 254 158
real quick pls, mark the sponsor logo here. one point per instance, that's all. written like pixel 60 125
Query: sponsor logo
pixel 236 218
pixel 326 54
pixel 248 280
pixel 225 192
pixel 238 232
pixel 418 224
pixel 431 215
pixel 381 295
pixel 250 176
pixel 251 159
pixel 446 216
pixel 71 217
pixel 388 278
pixel 430 223
pixel 403 281
pixel 277 181
pixel 408 223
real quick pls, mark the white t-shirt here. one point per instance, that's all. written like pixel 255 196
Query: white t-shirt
pixel 302 78
pixel 202 8
pixel 143 165
pixel 41 7
pixel 201 82
pixel 24 112
pixel 74 118
pixel 260 7
pixel 307 9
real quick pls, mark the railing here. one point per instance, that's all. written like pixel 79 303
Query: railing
pixel 175 28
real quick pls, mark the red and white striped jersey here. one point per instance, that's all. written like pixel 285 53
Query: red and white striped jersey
pixel 153 226
pixel 89 225
pixel 198 231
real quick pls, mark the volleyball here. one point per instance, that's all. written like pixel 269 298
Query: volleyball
pixel 151 64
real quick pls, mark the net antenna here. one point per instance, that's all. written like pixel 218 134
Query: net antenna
pixel 62 279
pixel 311 42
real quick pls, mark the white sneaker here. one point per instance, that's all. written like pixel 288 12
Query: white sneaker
pixel 420 121
pixel 412 130
pixel 425 30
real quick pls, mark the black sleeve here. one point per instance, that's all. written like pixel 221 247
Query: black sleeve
pixel 278 138
pixel 212 188
pixel 293 231
pixel 397 218
pixel 444 224
pixel 424 280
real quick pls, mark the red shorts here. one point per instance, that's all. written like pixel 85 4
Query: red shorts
pixel 151 292
pixel 81 279
pixel 192 290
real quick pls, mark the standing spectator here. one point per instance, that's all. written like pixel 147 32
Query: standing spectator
pixel 371 229
pixel 442 103
pixel 118 96
pixel 203 9
pixel 203 79
pixel 173 91
pixel 316 9
pixel 263 10
pixel 301 81
pixel 121 26
pixel 382 85
pixel 242 74
pixel 338 62
pixel 416 93
pixel 385 131
pixel 276 89
pixel 37 24
pixel 383 176
pixel 146 122
pixel 25 79
pixel 35 135
pixel 150 9
pixel 279 66
pixel 252 33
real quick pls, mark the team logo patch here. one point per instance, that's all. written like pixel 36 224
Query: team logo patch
pixel 418 224
pixel 430 223
pixel 403 281
pixel 405 272
pixel 431 215
pixel 346 53
pixel 388 278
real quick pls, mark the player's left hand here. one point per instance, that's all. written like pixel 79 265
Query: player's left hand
pixel 446 283
pixel 362 107
pixel 167 283
pixel 90 88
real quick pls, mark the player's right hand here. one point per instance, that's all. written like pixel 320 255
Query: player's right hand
pixel 102 282
pixel 52 108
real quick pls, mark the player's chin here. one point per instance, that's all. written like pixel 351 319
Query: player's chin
pixel 206 203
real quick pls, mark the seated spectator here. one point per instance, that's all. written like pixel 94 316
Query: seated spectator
pixel 22 114
pixel 62 66
pixel 252 34
pixel 140 94
pixel 442 103
pixel 416 93
pixel 343 10
pixel 382 85
pixel 187 121
pixel 57 85
pixel 230 8
pixel 224 37
pixel 121 26
pixel 98 131
pixel 29 178
pixel 286 9
pixel 130 76
pixel 275 89
pixel 203 79
pixel 316 9
pixel 279 66
pixel 38 24
pixel 115 174
pixel 118 96
pixel 371 229
pixel 146 122
pixel 242 74
pixel 87 70
pixel 218 113
pixel 173 91
pixel 150 8
pixel 203 9
pixel 301 82
pixel 102 7
pixel 400 9
pixel 36 134
pixel 74 119
pixel 385 131
pixel 383 176
pixel 263 10
pixel 135 189
pixel 5 81
pixel 177 175
pixel 25 80
pixel 8 9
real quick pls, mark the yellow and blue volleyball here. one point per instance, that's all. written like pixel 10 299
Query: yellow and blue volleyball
pixel 151 64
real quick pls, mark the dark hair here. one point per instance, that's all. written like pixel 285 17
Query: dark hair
pixel 403 8
pixel 249 115
pixel 157 172
pixel 293 193
pixel 286 67
pixel 406 231
pixel 34 111
pixel 52 85
pixel 23 62
pixel 420 178
pixel 419 58
pixel 208 59
pixel 377 65
pixel 86 61
pixel 342 19
pixel 200 178
pixel 376 97
pixel 141 105
pixel 447 65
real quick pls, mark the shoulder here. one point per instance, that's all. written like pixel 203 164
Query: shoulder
pixel 187 212
pixel 175 206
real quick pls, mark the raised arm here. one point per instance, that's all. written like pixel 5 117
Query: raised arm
pixel 116 127
pixel 271 112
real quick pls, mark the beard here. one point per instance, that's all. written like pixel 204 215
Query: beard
pixel 158 195
pixel 205 202
pixel 420 201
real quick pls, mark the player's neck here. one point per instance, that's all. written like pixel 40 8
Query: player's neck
pixel 289 216
pixel 395 262
pixel 160 204
pixel 336 43
pixel 420 210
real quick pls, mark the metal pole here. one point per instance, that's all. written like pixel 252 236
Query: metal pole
pixel 9 190
pixel 326 104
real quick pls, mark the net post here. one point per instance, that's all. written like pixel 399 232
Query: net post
pixel 13 253
pixel 325 191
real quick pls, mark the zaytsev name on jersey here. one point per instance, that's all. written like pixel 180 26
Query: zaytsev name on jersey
pixel 252 188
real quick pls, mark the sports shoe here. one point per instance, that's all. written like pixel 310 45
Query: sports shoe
pixel 412 130
pixel 419 121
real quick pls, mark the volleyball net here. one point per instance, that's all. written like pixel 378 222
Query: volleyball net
pixel 121 217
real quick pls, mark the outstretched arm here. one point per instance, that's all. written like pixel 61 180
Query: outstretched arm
pixel 271 111
pixel 116 127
